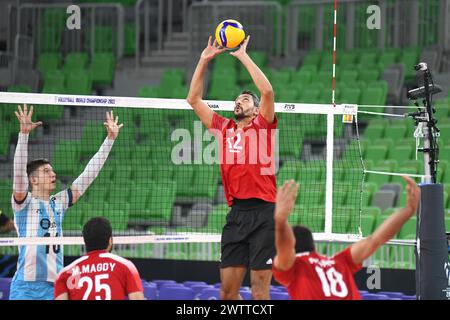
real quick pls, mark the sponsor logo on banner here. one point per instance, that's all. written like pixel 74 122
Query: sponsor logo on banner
pixel 289 107
pixel 213 106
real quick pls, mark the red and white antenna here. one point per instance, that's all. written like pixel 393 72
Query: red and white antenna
pixel 333 97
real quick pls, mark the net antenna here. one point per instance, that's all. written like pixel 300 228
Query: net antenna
pixel 425 122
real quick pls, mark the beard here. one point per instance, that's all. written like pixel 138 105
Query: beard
pixel 239 114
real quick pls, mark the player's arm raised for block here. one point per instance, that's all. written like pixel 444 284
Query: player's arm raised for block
pixel 267 105
pixel 195 95
pixel 20 184
pixel 94 166
pixel 389 228
pixel 284 236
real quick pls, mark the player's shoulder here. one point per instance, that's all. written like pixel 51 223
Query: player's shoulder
pixel 121 260
pixel 74 264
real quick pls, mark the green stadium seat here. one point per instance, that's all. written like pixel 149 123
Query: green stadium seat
pixel 129 48
pixel 50 40
pixel 314 198
pixel 324 77
pixel 368 75
pixel 347 75
pixel 289 170
pixel 48 62
pixel 66 158
pixel 396 131
pixel 373 96
pixel 217 218
pixel 6 186
pixel 122 173
pixel 350 95
pixel 373 132
pixel 78 82
pixel 408 229
pixel 410 58
pixel 48 112
pixel 310 95
pixel 291 142
pixel 102 69
pixel 312 58
pixel 205 181
pixel 371 211
pixel 313 218
pixel 391 164
pixel 346 59
pixel 54 18
pixel 376 153
pixel 103 39
pixel 184 177
pixel 367 225
pixel 401 153
pixel 387 58
pixel 281 77
pixel 302 77
pixel 75 61
pixel 93 135
pixel 341 220
pixel 368 59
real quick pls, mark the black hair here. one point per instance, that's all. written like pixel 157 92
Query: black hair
pixel 96 234
pixel 254 96
pixel 33 165
pixel 304 241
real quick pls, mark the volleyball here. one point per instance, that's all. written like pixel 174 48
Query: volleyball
pixel 230 33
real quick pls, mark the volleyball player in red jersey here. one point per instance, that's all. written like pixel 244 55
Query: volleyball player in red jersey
pixel 99 275
pixel 248 175
pixel 311 276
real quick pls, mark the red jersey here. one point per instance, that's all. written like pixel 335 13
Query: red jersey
pixel 316 277
pixel 247 158
pixel 99 275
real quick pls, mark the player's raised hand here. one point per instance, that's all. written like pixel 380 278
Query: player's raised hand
pixel 212 50
pixel 242 48
pixel 286 196
pixel 413 195
pixel 24 117
pixel 112 125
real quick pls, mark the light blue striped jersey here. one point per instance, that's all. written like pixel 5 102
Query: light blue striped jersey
pixel 38 218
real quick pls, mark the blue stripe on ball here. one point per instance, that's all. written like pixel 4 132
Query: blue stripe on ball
pixel 222 36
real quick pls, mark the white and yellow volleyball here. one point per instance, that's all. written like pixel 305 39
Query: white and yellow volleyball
pixel 230 33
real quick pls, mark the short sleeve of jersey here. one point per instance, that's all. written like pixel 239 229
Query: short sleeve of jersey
pixel 65 198
pixel 134 283
pixel 260 121
pixel 285 277
pixel 218 122
pixel 17 206
pixel 345 257
pixel 60 284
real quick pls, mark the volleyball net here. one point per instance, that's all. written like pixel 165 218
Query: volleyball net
pixel 162 184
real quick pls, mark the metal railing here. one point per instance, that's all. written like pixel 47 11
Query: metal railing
pixel 155 21
pixel 99 22
pixel 23 55
pixel 261 19
pixel 404 23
